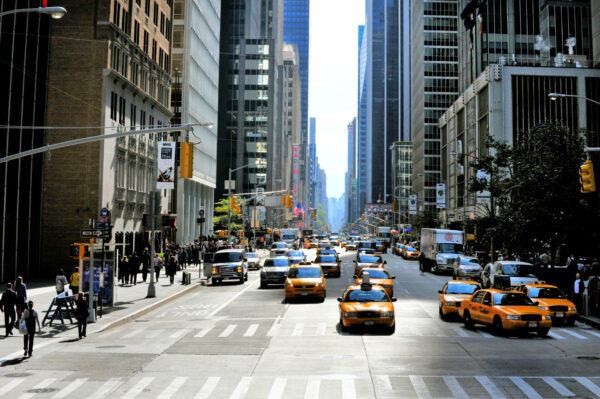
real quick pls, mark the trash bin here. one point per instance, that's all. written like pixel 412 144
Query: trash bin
pixel 187 278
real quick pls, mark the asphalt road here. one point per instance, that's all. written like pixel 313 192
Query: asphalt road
pixel 239 341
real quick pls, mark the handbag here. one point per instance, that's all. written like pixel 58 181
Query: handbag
pixel 22 327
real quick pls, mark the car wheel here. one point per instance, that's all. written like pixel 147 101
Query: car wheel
pixel 391 329
pixel 434 268
pixel 242 280
pixel 246 277
pixel 571 322
pixel 497 326
pixel 542 332
pixel 263 284
pixel 468 321
pixel 442 315
pixel 342 327
pixel 215 282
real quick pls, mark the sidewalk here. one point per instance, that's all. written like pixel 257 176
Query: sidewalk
pixel 130 302
pixel 589 320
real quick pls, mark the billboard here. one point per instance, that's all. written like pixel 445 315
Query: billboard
pixel 165 177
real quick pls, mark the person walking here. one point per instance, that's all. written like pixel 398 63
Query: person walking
pixel 74 281
pixel 134 268
pixel 171 269
pixel 157 265
pixel 21 291
pixel 81 313
pixel 61 282
pixel 31 318
pixel 124 267
pixel 146 260
pixel 7 305
pixel 578 289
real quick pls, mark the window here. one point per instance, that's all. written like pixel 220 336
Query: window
pixel 162 23
pixel 138 2
pixel 154 44
pixel 155 18
pixel 125 21
pixel 135 73
pixel 116 12
pixel 146 41
pixel 121 169
pixel 124 64
pixel 144 84
pixel 131 174
pixel 133 116
pixel 142 119
pixel 168 30
pixel 151 122
pixel 147 8
pixel 113 106
pixel 136 32
pixel 160 57
pixel 122 105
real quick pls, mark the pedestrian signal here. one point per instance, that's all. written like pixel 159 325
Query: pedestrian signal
pixel 586 177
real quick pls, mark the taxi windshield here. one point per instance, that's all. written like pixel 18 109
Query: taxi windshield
pixel 546 292
pixel 325 259
pixel 409 249
pixel 376 273
pixel 512 299
pixel 369 259
pixel 469 262
pixel 366 296
pixel 279 245
pixel 304 272
pixel 252 256
pixel 461 288
pixel 288 237
pixel 518 270
pixel 295 253
pixel 277 262
pixel 222 257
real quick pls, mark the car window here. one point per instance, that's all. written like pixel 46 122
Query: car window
pixel 478 298
pixel 410 249
pixel 469 262
pixel 369 259
pixel 304 272
pixel 454 288
pixel 546 292
pixel 295 253
pixel 252 256
pixel 277 262
pixel 375 273
pixel 221 257
pixel 366 296
pixel 512 299
pixel 488 298
pixel 450 248
pixel 325 259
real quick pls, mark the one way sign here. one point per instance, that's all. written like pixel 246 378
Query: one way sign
pixel 89 233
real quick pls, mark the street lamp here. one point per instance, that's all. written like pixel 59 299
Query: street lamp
pixel 556 96
pixel 54 12
pixel 229 198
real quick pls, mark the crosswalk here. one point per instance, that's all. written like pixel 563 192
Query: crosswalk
pixel 274 328
pixel 307 387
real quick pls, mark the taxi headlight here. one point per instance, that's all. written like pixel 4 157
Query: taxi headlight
pixel 288 283
pixel 543 307
pixel 573 308
pixel 350 314
pixel 547 318
pixel 511 317
pixel 320 284
pixel 387 314
pixel 450 303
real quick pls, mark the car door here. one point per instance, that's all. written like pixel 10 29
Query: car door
pixel 476 306
pixel 485 309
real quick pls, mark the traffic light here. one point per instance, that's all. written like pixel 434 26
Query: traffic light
pixel 586 177
pixel 186 156
pixel 314 212
pixel 283 200
pixel 290 201
pixel 362 218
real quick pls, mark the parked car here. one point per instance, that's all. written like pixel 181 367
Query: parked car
pixel 467 266
pixel 519 273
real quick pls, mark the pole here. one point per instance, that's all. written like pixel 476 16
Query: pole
pixel 91 316
pixel 492 212
pixel 228 205
pixel 151 287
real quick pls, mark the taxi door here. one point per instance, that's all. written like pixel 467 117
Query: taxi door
pixel 475 306
pixel 485 310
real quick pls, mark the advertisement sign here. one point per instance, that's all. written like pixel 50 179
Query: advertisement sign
pixel 165 179
pixel 412 204
pixel 440 196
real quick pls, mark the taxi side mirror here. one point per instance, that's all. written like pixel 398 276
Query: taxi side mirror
pixel 393 277
pixel 354 261
pixel 440 291
pixel 385 262
pixel 339 299
pixel 355 276
pixel 394 299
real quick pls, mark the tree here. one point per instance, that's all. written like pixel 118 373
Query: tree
pixel 220 218
pixel 426 219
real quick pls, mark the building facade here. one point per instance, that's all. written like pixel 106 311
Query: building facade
pixel 351 173
pixel 401 152
pixel 362 174
pixel 312 174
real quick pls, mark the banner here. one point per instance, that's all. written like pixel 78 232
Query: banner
pixel 440 196
pixel 412 204
pixel 165 179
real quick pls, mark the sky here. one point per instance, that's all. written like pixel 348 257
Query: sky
pixel 333 79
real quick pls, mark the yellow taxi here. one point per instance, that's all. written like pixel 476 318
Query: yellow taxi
pixel 326 251
pixel 367 260
pixel 305 280
pixel 453 294
pixel 366 305
pixel 379 276
pixel 505 310
pixel 343 243
pixel 410 253
pixel 397 249
pixel 380 247
pixel 552 299
pixel 330 264
pixel 350 246
pixel 313 243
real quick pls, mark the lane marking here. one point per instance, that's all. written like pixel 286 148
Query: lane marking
pixel 461 332
pixel 558 387
pixel 203 332
pixel 593 333
pixel 321 328
pixel 233 298
pixel 348 388
pixel 227 332
pixel 455 387
pixel 525 388
pixel 485 334
pixel 251 330
pixel 172 388
pixel 153 333
pixel 241 388
pixel 312 388
pixel 572 333
pixel 298 330
pixel 490 387
pixel 278 388
pixel 385 382
pixel 138 388
pixel 274 328
pixel 45 383
pixel 420 387
pixel 106 388
pixel 589 385
pixel 133 333
pixel 208 388
pixel 180 333
pixel 555 335
pixel 63 393
pixel 9 386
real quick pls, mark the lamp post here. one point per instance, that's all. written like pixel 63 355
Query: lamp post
pixel 229 198
pixel 54 12
pixel 556 96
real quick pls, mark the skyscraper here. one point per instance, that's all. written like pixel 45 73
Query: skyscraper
pixel 351 171
pixel 362 122
pixel 312 174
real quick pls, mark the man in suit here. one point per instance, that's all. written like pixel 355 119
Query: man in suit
pixel 7 305
pixel 578 289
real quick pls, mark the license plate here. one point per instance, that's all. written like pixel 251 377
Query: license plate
pixel 559 315
pixel 369 322
pixel 304 293
pixel 532 324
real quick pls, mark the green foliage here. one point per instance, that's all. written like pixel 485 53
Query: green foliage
pixel 220 218
pixel 426 219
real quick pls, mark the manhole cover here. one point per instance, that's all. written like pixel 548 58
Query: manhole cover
pixel 588 357
pixel 110 346
pixel 41 390
pixel 18 375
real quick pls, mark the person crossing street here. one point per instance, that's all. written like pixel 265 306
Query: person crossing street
pixel 7 305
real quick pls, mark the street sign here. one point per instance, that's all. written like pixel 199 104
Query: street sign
pixel 412 204
pixel 91 233
pixel 104 214
pixel 440 200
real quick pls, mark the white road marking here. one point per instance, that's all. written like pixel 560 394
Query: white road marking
pixel 589 385
pixel 312 388
pixel 153 334
pixel 558 387
pixel 138 388
pixel 490 387
pixel 579 336
pixel 455 387
pixel 9 386
pixel 348 388
pixel 203 332
pixel 274 328
pixel 241 388
pixel 420 387
pixel 251 330
pixel 227 332
pixel 461 332
pixel 208 387
pixel 180 333
pixel 555 335
pixel 133 333
pixel 321 328
pixel 233 298
pixel 525 388
pixel 593 333
pixel 298 330
pixel 172 388
pixel 485 334
pixel 385 383
pixel 106 388
pixel 278 388
pixel 45 383
pixel 63 393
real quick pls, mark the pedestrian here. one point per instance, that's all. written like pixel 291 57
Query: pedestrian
pixel 81 313
pixel 124 267
pixel 31 318
pixel 21 290
pixel 578 289
pixel 171 269
pixel 134 268
pixel 61 282
pixel 146 260
pixel 157 265
pixel 7 305
pixel 182 258
pixel 74 281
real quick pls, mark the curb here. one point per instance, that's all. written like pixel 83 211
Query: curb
pixel 588 321
pixel 147 309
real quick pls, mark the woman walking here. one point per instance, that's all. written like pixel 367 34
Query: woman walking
pixel 81 313
pixel 74 281
pixel 171 269
pixel 31 318
pixel 21 290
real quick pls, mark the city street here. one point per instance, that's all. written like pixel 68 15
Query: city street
pixel 239 341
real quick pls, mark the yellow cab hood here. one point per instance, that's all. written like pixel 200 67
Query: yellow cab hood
pixel 553 302
pixel 359 306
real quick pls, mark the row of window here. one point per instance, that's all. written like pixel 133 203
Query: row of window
pixel 118 113
pixel 133 172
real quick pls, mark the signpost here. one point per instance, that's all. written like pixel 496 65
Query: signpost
pixel 91 233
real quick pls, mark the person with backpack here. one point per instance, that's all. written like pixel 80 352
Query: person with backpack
pixel 61 282
pixel 81 313
pixel 30 317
